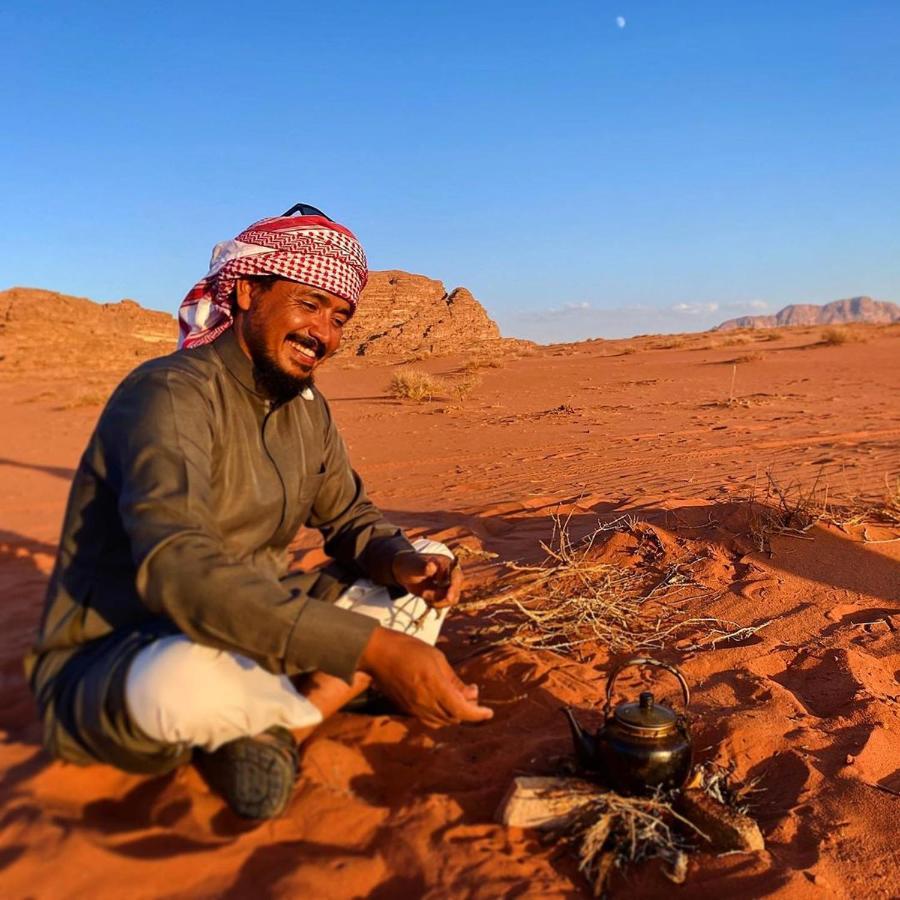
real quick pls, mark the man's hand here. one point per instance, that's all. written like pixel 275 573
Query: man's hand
pixel 420 680
pixel 436 578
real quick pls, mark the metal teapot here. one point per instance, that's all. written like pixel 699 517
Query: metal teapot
pixel 641 746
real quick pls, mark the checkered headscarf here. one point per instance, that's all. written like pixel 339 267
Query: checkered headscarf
pixel 306 248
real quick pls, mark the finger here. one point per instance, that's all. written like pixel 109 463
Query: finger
pixel 466 710
pixel 470 692
pixel 455 588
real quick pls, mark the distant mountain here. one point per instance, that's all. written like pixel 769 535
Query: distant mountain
pixel 839 312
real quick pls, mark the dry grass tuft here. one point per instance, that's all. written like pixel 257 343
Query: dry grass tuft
pixel 794 510
pixel 756 356
pixel 833 337
pixel 573 600
pixel 768 335
pixel 463 386
pixel 483 362
pixel 668 344
pixel 413 384
pixel 791 510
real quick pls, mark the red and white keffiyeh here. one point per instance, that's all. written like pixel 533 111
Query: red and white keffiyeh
pixel 310 249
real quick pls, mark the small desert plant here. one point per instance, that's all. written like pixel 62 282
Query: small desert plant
pixel 738 341
pixel 668 344
pixel 463 387
pixel 413 384
pixel 834 337
pixel 790 510
pixel 748 358
pixel 575 599
pixel 483 362
pixel 769 336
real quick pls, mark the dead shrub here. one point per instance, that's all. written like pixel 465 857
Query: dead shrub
pixel 413 384
pixel 834 337
pixel 573 599
pixel 668 344
pixel 463 387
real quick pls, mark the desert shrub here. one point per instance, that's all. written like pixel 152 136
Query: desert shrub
pixel 412 384
pixel 668 344
pixel 834 337
pixel 462 387
pixel 483 362
pixel 738 341
pixel 769 336
pixel 748 358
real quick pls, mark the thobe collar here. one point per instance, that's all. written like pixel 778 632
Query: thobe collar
pixel 240 365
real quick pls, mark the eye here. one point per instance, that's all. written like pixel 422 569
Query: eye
pixel 339 321
pixel 309 305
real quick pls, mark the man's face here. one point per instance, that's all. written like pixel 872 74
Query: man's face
pixel 288 330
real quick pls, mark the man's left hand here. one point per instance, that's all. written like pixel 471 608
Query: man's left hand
pixel 436 578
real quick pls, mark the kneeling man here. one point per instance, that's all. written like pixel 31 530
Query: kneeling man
pixel 172 626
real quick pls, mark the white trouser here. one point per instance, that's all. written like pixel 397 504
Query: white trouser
pixel 179 692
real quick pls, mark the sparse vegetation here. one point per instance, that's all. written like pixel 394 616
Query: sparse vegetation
pixel 668 344
pixel 413 384
pixel 574 599
pixel 483 362
pixel 462 387
pixel 833 337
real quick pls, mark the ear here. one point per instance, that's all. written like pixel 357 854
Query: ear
pixel 243 294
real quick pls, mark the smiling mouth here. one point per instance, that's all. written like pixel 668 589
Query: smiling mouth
pixel 308 351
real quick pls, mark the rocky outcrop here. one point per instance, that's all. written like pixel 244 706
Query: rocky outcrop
pixel 45 330
pixel 400 314
pixel 839 312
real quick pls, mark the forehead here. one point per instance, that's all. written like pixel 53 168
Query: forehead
pixel 293 291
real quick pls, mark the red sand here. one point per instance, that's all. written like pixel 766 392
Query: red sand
pixel 386 808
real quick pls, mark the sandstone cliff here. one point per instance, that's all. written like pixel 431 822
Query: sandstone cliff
pixel 839 312
pixel 399 315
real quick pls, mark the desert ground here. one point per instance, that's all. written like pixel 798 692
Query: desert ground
pixel 750 478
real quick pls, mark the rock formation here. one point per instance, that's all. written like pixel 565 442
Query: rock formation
pixel 41 330
pixel 839 312
pixel 399 315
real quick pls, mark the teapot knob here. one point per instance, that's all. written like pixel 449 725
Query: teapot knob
pixel 646 700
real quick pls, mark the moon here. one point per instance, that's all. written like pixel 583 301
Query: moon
pixel 620 21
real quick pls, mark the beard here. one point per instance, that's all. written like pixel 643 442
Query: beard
pixel 271 379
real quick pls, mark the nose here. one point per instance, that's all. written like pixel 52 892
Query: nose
pixel 320 328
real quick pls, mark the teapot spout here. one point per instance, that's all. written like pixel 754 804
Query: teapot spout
pixel 584 742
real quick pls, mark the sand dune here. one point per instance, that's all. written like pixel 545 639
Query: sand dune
pixel 678 438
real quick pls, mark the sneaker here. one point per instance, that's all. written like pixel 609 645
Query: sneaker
pixel 255 775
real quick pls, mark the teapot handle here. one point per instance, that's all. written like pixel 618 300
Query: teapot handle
pixel 643 661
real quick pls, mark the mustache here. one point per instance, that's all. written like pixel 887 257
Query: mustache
pixel 310 343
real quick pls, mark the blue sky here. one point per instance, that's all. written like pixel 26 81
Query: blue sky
pixel 583 179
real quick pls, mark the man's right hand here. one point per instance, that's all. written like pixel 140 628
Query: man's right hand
pixel 420 680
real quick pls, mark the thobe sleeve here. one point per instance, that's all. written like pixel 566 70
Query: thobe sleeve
pixel 158 434
pixel 355 530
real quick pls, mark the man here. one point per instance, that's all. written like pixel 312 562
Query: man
pixel 172 625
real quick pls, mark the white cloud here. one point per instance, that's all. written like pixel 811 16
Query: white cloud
pixel 620 21
pixel 694 309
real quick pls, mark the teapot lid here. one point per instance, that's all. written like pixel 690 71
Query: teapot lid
pixel 646 716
